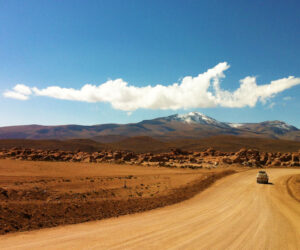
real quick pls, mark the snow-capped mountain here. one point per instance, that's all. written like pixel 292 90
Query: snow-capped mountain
pixel 280 125
pixel 236 125
pixel 196 118
pixel 270 127
pixel 190 125
pixel 199 118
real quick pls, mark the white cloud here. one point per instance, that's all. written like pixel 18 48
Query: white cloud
pixel 202 91
pixel 22 89
pixel 15 95
pixel 20 92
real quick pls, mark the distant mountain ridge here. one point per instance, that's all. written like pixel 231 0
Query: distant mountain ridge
pixel 179 126
pixel 196 118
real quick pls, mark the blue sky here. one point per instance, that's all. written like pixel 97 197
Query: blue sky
pixel 69 44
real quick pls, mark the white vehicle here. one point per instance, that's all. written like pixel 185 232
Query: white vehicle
pixel 262 177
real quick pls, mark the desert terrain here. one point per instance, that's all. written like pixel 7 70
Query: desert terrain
pixel 36 194
pixel 195 198
pixel 146 144
pixel 149 125
pixel 235 213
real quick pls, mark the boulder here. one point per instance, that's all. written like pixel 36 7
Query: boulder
pixel 285 157
pixel 295 157
pixel 227 160
pixel 178 151
pixel 129 156
pixel 276 162
pixel 242 152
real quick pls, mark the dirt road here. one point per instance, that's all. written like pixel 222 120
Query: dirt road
pixel 235 213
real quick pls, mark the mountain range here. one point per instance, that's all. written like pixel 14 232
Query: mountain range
pixel 193 125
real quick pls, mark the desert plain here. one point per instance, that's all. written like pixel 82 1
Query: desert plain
pixel 125 200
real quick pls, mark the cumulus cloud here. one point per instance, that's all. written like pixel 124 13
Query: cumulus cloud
pixel 202 91
pixel 20 92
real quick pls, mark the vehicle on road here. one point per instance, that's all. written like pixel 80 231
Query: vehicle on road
pixel 262 177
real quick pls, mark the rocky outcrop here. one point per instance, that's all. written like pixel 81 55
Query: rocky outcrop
pixel 174 158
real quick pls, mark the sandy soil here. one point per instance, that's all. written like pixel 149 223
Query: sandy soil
pixel 293 185
pixel 64 178
pixel 67 179
pixel 36 195
pixel 235 213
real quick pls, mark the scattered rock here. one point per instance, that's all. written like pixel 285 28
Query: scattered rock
pixel 177 157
